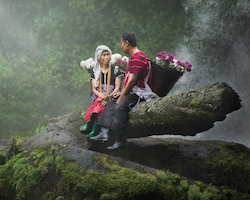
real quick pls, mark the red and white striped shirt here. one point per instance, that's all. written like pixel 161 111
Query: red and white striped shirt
pixel 138 64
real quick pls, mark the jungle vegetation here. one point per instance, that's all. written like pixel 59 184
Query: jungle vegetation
pixel 42 43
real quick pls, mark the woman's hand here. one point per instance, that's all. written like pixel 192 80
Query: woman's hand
pixel 105 99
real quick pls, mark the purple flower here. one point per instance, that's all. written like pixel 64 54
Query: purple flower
pixel 170 58
pixel 165 57
pixel 162 55
pixel 119 61
pixel 179 62
pixel 188 66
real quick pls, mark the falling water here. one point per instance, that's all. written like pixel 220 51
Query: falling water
pixel 219 49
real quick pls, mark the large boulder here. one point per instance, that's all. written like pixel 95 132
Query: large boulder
pixel 149 168
pixel 217 162
pixel 197 160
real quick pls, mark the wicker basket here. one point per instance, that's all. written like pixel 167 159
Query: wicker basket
pixel 163 79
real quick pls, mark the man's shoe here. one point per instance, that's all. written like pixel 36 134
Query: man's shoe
pixel 118 145
pixel 102 136
pixel 120 140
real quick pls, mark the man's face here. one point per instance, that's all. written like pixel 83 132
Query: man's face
pixel 124 46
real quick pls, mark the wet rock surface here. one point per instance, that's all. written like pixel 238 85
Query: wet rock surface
pixel 185 113
pixel 196 160
pixel 192 159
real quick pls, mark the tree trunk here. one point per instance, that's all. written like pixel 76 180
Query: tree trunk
pixel 185 113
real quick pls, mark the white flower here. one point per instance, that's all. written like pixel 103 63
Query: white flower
pixel 116 69
pixel 82 64
pixel 180 68
pixel 160 62
pixel 125 59
pixel 157 59
pixel 87 64
pixel 115 57
pixel 112 62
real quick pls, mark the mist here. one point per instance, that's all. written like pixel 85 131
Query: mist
pixel 40 54
pixel 226 60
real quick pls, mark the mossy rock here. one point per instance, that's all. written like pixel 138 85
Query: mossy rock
pixel 44 174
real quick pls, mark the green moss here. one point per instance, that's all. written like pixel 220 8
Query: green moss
pixel 195 104
pixel 184 184
pixel 48 196
pixel 3 153
pixel 231 160
pixel 26 170
pixel 127 182
pixel 44 171
pixel 200 191
pixel 3 157
pixel 24 176
pixel 194 192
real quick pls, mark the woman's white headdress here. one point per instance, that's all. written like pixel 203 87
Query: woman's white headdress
pixel 97 67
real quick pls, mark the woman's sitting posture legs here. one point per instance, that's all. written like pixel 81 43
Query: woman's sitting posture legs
pixel 95 129
pixel 87 128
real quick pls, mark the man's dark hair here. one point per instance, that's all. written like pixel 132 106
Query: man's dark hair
pixel 130 37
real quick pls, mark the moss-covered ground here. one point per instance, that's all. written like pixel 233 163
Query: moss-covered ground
pixel 44 175
pixel 232 162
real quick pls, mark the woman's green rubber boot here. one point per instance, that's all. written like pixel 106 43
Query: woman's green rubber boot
pixel 87 128
pixel 95 130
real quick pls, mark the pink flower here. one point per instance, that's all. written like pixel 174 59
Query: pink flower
pixel 161 55
pixel 165 57
pixel 179 62
pixel 119 61
pixel 188 66
pixel 125 62
pixel 171 58
pixel 171 61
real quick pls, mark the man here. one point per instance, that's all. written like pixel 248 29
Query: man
pixel 137 87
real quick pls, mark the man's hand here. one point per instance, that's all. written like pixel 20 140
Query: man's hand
pixel 118 101
pixel 132 80
pixel 116 95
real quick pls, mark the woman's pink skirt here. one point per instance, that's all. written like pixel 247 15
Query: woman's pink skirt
pixel 96 107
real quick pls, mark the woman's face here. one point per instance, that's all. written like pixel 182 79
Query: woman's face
pixel 105 58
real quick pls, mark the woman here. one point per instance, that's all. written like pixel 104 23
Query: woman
pixel 105 82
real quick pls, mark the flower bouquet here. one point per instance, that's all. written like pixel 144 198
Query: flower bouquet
pixel 88 64
pixel 120 61
pixel 116 59
pixel 167 70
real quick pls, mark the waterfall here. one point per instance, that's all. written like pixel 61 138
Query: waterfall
pixel 218 46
